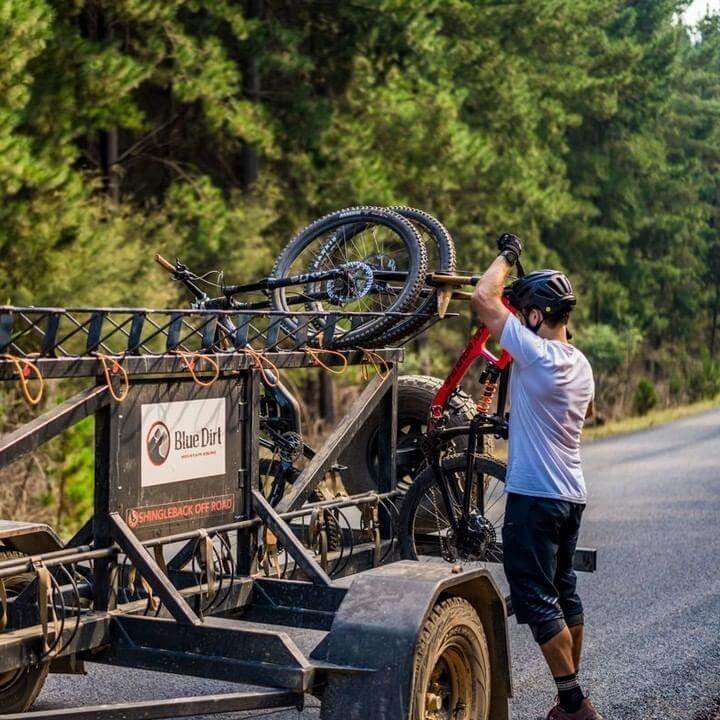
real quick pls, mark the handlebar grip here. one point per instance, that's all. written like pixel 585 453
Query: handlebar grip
pixel 163 263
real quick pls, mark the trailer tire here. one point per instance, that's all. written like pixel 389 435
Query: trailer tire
pixel 20 688
pixel 415 396
pixel 452 665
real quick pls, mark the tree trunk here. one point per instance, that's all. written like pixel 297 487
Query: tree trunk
pixel 714 324
pixel 251 90
pixel 108 139
pixel 108 163
pixel 326 397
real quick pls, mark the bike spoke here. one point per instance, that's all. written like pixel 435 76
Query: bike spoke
pixel 432 534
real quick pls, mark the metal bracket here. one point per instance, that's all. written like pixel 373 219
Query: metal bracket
pixel 149 569
pixel 359 412
pixel 171 708
pixel 289 540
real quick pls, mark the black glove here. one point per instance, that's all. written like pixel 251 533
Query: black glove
pixel 510 247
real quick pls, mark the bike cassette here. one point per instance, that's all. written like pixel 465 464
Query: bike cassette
pixel 290 446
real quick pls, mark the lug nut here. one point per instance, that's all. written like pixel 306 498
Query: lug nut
pixel 433 702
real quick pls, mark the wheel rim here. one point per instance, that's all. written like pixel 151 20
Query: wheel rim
pixel 409 457
pixel 449 691
pixel 431 530
pixel 360 249
pixel 441 258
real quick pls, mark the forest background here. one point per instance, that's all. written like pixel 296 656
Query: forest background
pixel 213 130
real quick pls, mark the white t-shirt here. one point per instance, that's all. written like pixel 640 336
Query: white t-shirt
pixel 551 386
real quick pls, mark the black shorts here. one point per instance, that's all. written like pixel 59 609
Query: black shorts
pixel 539 540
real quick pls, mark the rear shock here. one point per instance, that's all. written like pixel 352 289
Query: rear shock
pixel 489 380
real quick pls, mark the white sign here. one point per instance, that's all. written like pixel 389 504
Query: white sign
pixel 182 440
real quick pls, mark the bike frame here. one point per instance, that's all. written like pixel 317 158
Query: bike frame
pixel 280 410
pixel 271 284
pixel 497 371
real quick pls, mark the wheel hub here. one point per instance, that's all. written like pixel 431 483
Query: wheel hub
pixel 354 284
pixel 476 537
pixel 449 688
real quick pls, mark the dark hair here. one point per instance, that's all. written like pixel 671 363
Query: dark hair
pixel 553 320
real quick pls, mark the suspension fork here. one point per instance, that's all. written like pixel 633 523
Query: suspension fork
pixel 432 453
pixel 476 348
pixel 470 470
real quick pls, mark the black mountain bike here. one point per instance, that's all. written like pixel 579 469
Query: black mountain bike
pixel 366 264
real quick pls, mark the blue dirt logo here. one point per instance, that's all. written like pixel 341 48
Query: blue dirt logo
pixel 157 443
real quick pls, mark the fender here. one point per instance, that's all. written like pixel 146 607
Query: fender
pixel 28 537
pixel 377 626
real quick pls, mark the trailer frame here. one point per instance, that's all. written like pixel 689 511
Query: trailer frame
pixel 332 627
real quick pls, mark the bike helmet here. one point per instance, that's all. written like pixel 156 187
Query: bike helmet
pixel 549 291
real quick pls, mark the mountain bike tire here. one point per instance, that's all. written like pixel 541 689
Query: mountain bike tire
pixel 443 259
pixel 424 485
pixel 415 396
pixel 365 333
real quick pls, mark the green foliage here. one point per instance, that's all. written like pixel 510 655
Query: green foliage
pixel 76 476
pixel 606 348
pixel 589 127
pixel 645 396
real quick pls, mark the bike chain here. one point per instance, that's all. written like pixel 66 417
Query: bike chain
pixel 444 550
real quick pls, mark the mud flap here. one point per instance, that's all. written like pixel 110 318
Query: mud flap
pixel 377 626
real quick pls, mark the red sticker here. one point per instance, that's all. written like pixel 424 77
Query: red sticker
pixel 185 510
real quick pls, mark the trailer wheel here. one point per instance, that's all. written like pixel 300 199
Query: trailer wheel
pixel 19 688
pixel 452 665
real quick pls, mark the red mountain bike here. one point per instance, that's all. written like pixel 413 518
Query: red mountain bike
pixel 444 513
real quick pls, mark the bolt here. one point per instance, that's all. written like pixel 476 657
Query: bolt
pixel 433 702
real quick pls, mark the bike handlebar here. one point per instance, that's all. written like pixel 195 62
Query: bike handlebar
pixel 165 264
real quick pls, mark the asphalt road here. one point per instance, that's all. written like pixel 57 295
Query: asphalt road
pixel 653 608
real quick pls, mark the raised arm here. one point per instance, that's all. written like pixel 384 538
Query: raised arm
pixel 487 297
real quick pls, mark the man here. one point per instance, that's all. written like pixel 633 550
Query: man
pixel 551 390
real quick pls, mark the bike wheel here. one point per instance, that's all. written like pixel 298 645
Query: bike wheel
pixel 358 244
pixel 415 396
pixel 441 258
pixel 424 528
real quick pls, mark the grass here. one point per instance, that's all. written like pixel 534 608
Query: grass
pixel 654 417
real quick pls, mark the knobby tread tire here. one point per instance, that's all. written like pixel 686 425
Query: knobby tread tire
pixel 365 334
pixel 461 406
pixel 485 464
pixel 445 248
pixel 427 386
pixel 415 395
pixel 451 619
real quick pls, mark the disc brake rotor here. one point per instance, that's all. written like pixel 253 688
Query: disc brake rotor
pixel 477 538
pixel 380 261
pixel 354 284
